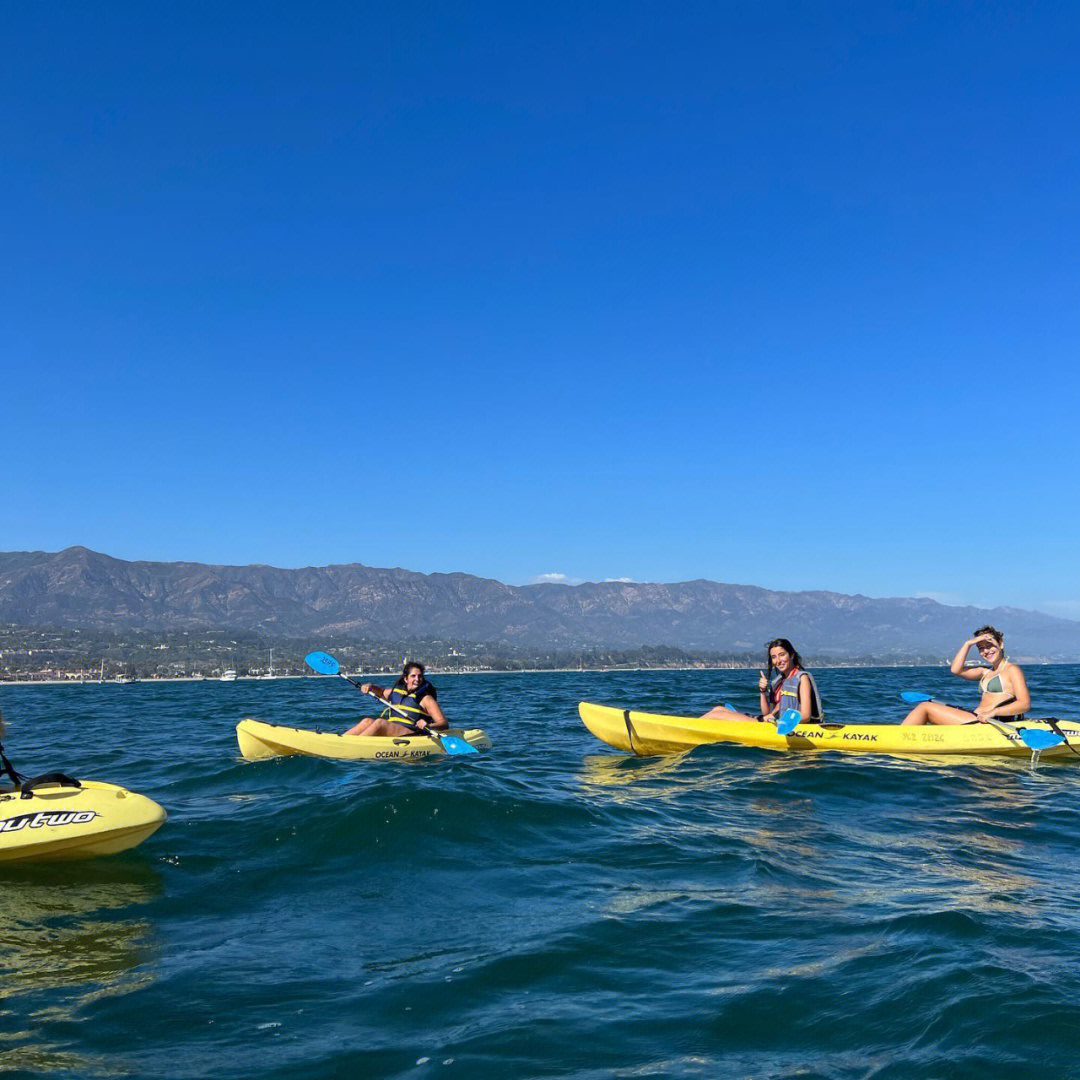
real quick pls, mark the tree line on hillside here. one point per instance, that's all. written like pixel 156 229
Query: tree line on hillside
pixel 63 652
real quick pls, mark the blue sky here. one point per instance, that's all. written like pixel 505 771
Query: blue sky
pixel 773 294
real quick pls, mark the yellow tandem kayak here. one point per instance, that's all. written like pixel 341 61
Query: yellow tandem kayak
pixel 259 741
pixel 55 817
pixel 652 733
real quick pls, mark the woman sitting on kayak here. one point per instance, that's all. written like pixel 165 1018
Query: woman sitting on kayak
pixel 412 703
pixel 785 686
pixel 1004 690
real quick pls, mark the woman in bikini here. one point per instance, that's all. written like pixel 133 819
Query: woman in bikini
pixel 1004 690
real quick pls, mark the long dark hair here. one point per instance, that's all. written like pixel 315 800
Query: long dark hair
pixel 409 666
pixel 779 643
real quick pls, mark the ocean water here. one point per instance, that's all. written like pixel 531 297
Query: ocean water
pixel 550 908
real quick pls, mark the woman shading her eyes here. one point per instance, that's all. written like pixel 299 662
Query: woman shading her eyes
pixel 1002 684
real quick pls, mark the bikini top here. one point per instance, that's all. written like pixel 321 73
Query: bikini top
pixel 991 683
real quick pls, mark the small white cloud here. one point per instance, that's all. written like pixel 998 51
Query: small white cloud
pixel 554 579
pixel 624 580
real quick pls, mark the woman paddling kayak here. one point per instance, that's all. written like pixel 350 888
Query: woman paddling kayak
pixel 1004 689
pixel 414 707
pixel 789 688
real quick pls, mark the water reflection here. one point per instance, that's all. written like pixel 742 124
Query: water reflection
pixel 795 831
pixel 69 937
pixel 607 770
pixel 699 769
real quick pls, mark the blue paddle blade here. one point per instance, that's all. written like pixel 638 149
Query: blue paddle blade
pixel 1037 739
pixel 788 721
pixel 322 662
pixel 453 745
pixel 727 705
pixel 914 697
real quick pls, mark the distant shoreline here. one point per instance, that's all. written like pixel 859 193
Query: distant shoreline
pixel 493 671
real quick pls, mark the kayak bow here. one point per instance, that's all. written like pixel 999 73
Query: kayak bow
pixel 59 818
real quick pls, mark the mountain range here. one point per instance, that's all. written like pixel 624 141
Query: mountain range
pixel 77 587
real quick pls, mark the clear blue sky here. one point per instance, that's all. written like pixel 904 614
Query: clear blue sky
pixel 773 294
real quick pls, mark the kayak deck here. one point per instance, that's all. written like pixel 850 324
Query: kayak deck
pixel 259 741
pixel 650 734
pixel 64 822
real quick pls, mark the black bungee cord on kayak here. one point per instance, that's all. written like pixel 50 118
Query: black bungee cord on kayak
pixel 1052 723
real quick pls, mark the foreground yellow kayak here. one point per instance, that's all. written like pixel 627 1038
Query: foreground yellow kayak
pixel 59 818
pixel 652 733
pixel 258 741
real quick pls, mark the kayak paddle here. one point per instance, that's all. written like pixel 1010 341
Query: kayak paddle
pixel 788 721
pixel 325 664
pixel 1034 739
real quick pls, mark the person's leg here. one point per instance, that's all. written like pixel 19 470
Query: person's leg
pixel 380 726
pixel 362 727
pixel 934 712
pixel 723 713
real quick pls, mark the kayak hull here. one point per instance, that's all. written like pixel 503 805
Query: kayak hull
pixel 62 822
pixel 259 741
pixel 650 734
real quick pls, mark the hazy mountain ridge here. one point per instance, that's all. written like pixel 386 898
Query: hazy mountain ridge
pixel 78 587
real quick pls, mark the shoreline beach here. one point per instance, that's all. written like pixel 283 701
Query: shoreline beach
pixel 435 672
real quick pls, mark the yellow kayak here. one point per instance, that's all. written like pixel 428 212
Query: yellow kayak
pixel 652 733
pixel 258 741
pixel 55 817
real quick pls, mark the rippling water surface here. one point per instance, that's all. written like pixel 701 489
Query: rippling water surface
pixel 549 908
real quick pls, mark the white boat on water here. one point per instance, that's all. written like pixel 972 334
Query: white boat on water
pixel 269 674
pixel 228 676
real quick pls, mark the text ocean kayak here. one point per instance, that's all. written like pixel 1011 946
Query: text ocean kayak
pixel 60 818
pixel 258 741
pixel 652 733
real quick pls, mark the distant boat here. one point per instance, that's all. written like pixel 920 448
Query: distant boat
pixel 125 679
pixel 270 672
pixel 228 676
